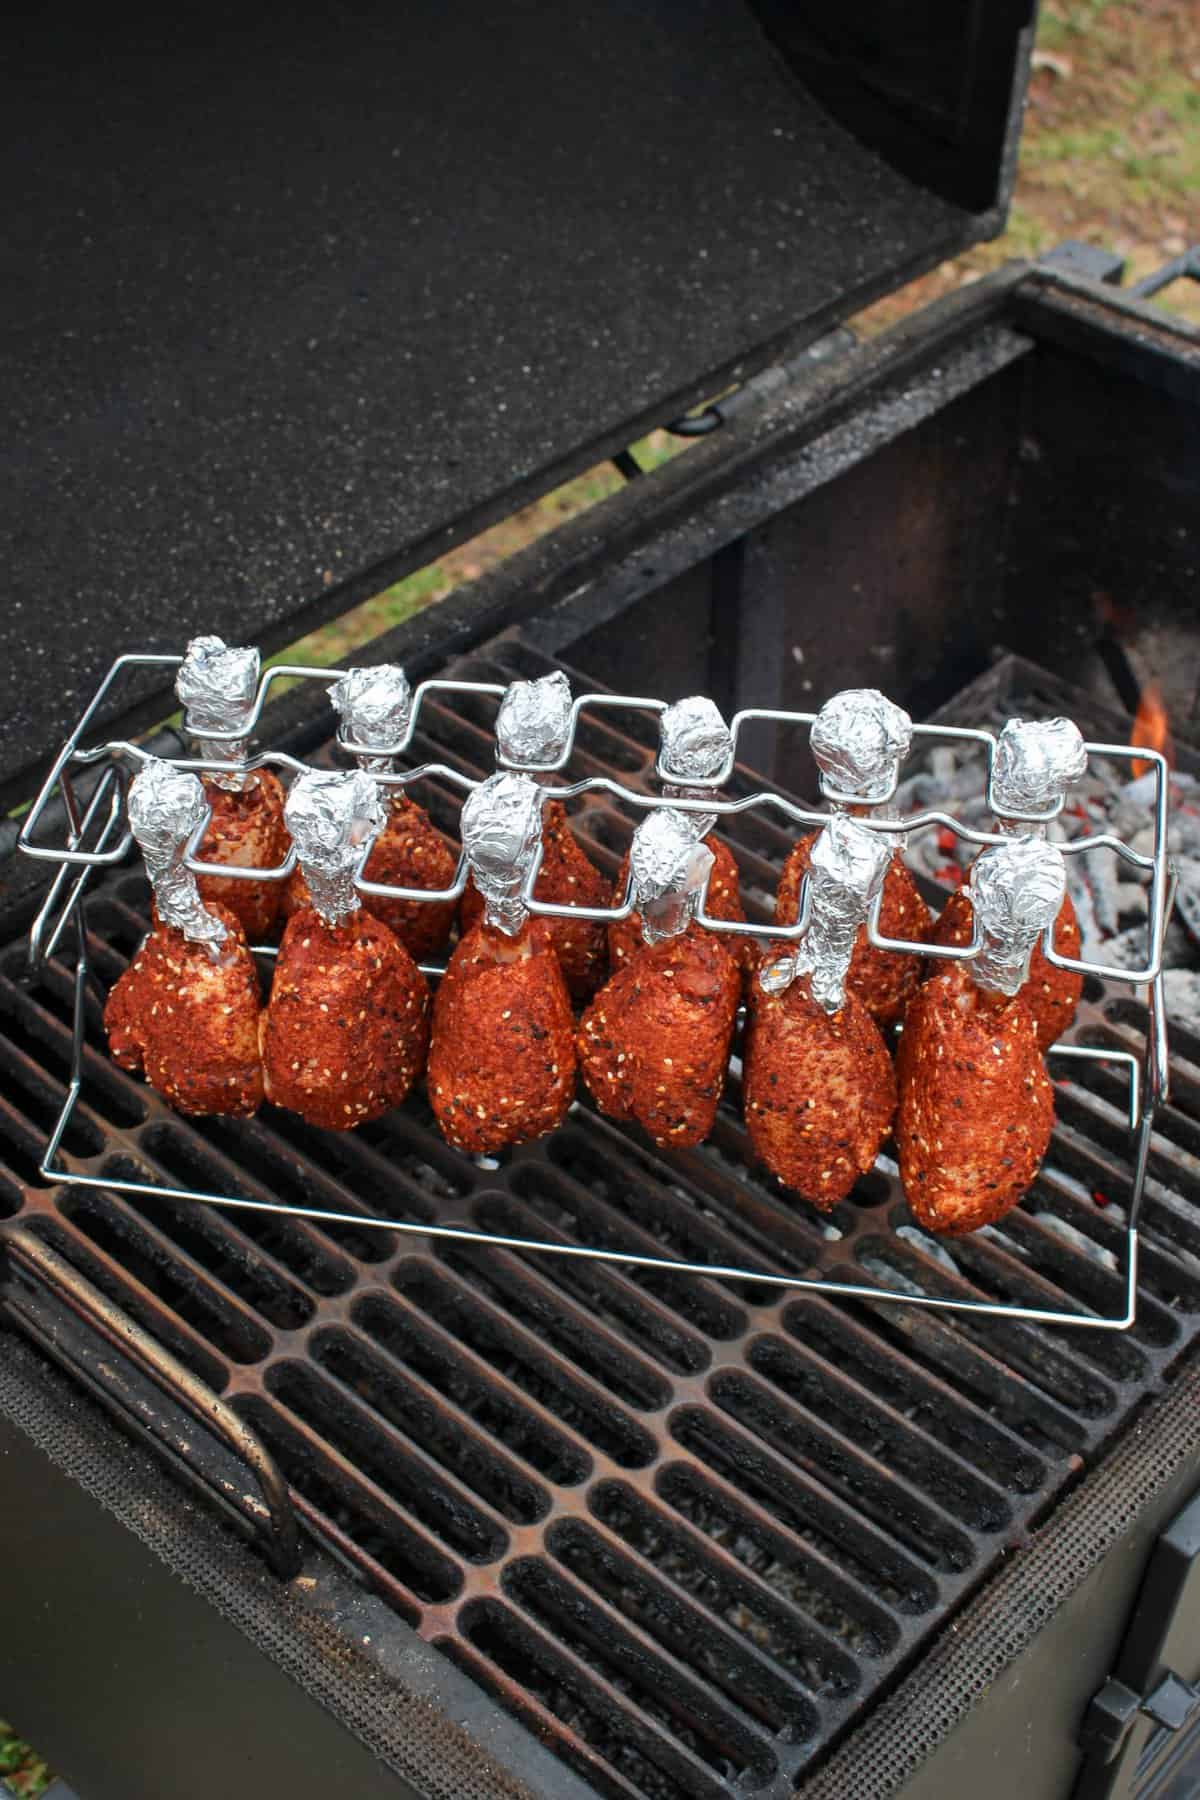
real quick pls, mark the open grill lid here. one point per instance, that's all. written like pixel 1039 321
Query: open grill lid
pixel 294 305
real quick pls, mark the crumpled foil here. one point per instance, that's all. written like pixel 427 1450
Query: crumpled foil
pixel 668 867
pixel 165 807
pixel 331 817
pixel 1036 761
pixel 845 873
pixel 216 685
pixel 534 721
pixel 695 740
pixel 858 739
pixel 374 706
pixel 694 744
pixel 1016 890
pixel 501 829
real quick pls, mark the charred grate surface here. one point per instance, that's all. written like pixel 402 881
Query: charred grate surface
pixel 686 1529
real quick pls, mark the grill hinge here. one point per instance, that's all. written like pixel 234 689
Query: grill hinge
pixel 1135 1725
pixel 1114 1709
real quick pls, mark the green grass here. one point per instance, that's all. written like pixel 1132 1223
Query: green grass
pixel 21 1767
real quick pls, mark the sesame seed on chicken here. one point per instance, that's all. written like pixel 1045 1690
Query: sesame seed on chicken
pixel 248 831
pixel 189 1021
pixel 654 1043
pixel 345 1032
pixel 502 1053
pixel 409 852
pixel 819 1091
pixel 567 877
pixel 976 1105
pixel 883 980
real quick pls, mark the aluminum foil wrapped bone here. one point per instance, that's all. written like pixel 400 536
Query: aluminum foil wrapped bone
pixel 1036 761
pixel 668 868
pixel 845 873
pixel 695 743
pixel 216 685
pixel 375 707
pixel 533 724
pixel 166 805
pixel 501 829
pixel 331 817
pixel 859 739
pixel 1016 890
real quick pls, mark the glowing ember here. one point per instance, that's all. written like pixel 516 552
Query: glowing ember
pixel 1150 726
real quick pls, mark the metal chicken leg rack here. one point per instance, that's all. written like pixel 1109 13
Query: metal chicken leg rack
pixel 98 838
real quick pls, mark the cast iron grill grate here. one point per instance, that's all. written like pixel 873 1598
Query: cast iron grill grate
pixel 685 1527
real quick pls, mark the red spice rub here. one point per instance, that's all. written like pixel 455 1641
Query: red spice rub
pixel 344 1034
pixel 188 1023
pixel 409 852
pixel 502 1057
pixel 819 1091
pixel 723 902
pixel 1051 994
pixel 247 830
pixel 976 1106
pixel 883 980
pixel 654 1043
pixel 566 878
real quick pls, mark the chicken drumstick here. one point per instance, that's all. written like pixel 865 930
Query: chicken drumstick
pixel 818 1085
pixel 531 730
pixel 695 745
pixel 216 685
pixel 502 1055
pixel 344 1034
pixel 858 740
pixel 976 1106
pixel 375 706
pixel 1035 762
pixel 654 1043
pixel 185 1012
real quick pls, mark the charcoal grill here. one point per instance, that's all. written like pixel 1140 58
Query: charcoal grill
pixel 568 1528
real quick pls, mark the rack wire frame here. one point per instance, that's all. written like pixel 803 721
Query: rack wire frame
pixel 98 837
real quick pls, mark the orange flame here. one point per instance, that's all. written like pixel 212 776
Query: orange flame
pixel 1150 727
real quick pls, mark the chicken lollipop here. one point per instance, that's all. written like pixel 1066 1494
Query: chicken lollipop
pixel 976 1105
pixel 531 730
pixel 695 746
pixel 818 1085
pixel 1036 760
pixel 344 1035
pixel 216 685
pixel 654 1043
pixel 502 1056
pixel 185 1012
pixel 375 706
pixel 858 739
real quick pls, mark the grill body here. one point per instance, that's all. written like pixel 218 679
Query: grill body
pixel 652 1537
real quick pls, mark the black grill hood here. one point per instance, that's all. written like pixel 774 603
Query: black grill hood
pixel 295 301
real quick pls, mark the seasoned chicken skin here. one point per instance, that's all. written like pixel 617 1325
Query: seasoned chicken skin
pixel 566 878
pixel 723 902
pixel 502 1054
pixel 247 830
pixel 883 980
pixel 409 852
pixel 1051 994
pixel 345 1032
pixel 976 1106
pixel 654 1043
pixel 819 1091
pixel 189 1023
